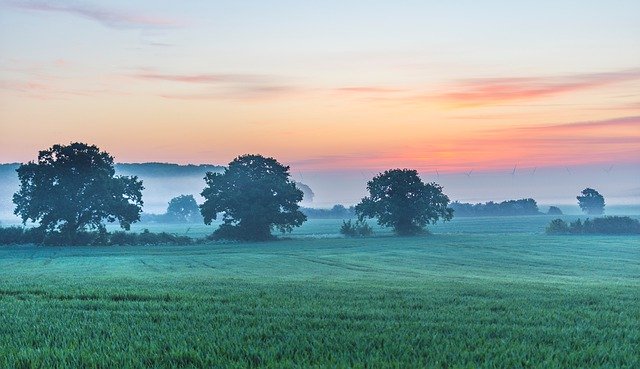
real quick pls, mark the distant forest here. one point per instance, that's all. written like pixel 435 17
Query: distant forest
pixel 165 169
pixel 140 169
pixel 336 212
pixel 504 208
pixel 156 174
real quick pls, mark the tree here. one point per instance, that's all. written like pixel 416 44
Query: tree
pixel 73 188
pixel 183 209
pixel 254 195
pixel 554 210
pixel 399 199
pixel 307 192
pixel 591 202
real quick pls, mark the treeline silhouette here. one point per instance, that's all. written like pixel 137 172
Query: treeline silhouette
pixel 504 208
pixel 336 212
pixel 604 225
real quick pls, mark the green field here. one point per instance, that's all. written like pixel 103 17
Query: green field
pixel 480 292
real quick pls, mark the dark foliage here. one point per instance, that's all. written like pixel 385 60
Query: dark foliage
pixel 554 210
pixel 504 208
pixel 254 196
pixel 148 238
pixel 398 198
pixel 591 201
pixel 558 226
pixel 74 188
pixel 21 235
pixel 604 225
pixel 358 229
pixel 336 212
pixel 165 169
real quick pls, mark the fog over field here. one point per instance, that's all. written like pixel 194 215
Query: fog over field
pixel 548 186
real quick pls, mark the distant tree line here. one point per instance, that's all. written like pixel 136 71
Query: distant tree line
pixel 604 225
pixel 335 212
pixel 504 208
pixel 165 169
pixel 181 209
pixel 71 191
pixel 39 236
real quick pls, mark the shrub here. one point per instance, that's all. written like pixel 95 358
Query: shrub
pixel 11 235
pixel 612 225
pixel 605 225
pixel 357 229
pixel 232 233
pixel 558 226
pixel 19 235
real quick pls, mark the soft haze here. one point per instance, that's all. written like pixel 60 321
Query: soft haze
pixel 338 90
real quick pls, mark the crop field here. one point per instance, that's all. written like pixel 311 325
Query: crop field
pixel 478 292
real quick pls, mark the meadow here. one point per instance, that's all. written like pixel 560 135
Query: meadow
pixel 477 292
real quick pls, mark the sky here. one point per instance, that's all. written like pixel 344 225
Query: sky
pixel 338 90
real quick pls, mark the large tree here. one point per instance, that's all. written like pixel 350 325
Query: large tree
pixel 254 195
pixel 73 188
pixel 591 201
pixel 183 209
pixel 398 198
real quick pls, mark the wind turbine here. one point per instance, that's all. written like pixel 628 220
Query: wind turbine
pixel 468 174
pixel 568 171
pixel 609 170
pixel 534 171
pixel 437 174
pixel 513 172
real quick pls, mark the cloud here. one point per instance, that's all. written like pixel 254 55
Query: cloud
pixel 238 93
pixel 610 141
pixel 222 86
pixel 367 90
pixel 201 78
pixel 108 17
pixel 492 91
pixel 632 122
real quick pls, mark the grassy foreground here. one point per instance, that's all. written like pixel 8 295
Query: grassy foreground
pixel 447 300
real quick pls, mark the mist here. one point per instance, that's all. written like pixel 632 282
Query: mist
pixel 620 185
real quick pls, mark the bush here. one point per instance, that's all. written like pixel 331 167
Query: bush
pixel 234 233
pixel 19 235
pixel 558 226
pixel 605 225
pixel 612 225
pixel 357 229
pixel 147 238
pixel 11 235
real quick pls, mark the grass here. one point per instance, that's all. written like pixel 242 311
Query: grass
pixel 471 295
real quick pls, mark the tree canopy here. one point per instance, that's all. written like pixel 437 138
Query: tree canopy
pixel 254 194
pixel 71 188
pixel 183 209
pixel 591 201
pixel 398 198
pixel 505 208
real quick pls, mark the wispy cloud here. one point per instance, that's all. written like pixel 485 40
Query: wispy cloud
pixel 108 17
pixel 614 140
pixel 202 78
pixel 222 86
pixel 632 122
pixel 491 91
pixel 367 90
